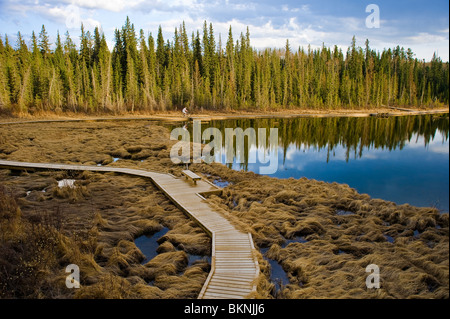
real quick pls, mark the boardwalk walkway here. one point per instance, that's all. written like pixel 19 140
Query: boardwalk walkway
pixel 233 264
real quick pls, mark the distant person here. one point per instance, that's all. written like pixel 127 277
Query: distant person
pixel 185 112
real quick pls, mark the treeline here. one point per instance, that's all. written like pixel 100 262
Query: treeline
pixel 142 73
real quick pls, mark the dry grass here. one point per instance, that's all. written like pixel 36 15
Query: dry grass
pixel 31 255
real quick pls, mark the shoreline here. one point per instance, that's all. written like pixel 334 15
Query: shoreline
pixel 211 116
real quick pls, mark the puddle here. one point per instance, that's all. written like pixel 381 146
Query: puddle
pixel 115 159
pixel 389 239
pixel 149 244
pixel 66 183
pixel 341 212
pixel 221 183
pixel 301 240
pixel 193 258
pixel 277 274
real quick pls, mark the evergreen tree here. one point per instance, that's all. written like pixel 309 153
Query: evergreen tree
pixel 161 56
pixel 44 42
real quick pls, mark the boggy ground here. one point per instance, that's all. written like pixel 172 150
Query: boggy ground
pixel 342 231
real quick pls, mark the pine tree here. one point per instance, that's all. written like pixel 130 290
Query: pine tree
pixel 85 47
pixel 44 42
pixel 55 95
pixel 105 74
pixel 97 46
pixel 4 91
pixel 145 86
pixel 12 73
pixel 161 56
pixel 197 53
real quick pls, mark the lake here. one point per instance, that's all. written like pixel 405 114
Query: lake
pixel 401 159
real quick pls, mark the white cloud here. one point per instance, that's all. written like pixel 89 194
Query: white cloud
pixel 110 5
pixel 71 16
pixel 90 23
pixel 425 37
pixel 438 144
pixel 270 36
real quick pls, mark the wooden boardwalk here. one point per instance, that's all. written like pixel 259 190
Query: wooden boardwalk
pixel 234 266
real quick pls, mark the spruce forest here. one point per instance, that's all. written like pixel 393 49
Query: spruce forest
pixel 142 73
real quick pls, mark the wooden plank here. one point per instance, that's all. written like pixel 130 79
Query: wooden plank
pixel 222 295
pixel 243 279
pixel 237 284
pixel 213 287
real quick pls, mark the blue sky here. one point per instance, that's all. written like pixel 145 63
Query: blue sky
pixel 422 26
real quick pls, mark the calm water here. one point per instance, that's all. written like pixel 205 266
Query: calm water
pixel 400 159
pixel 149 244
